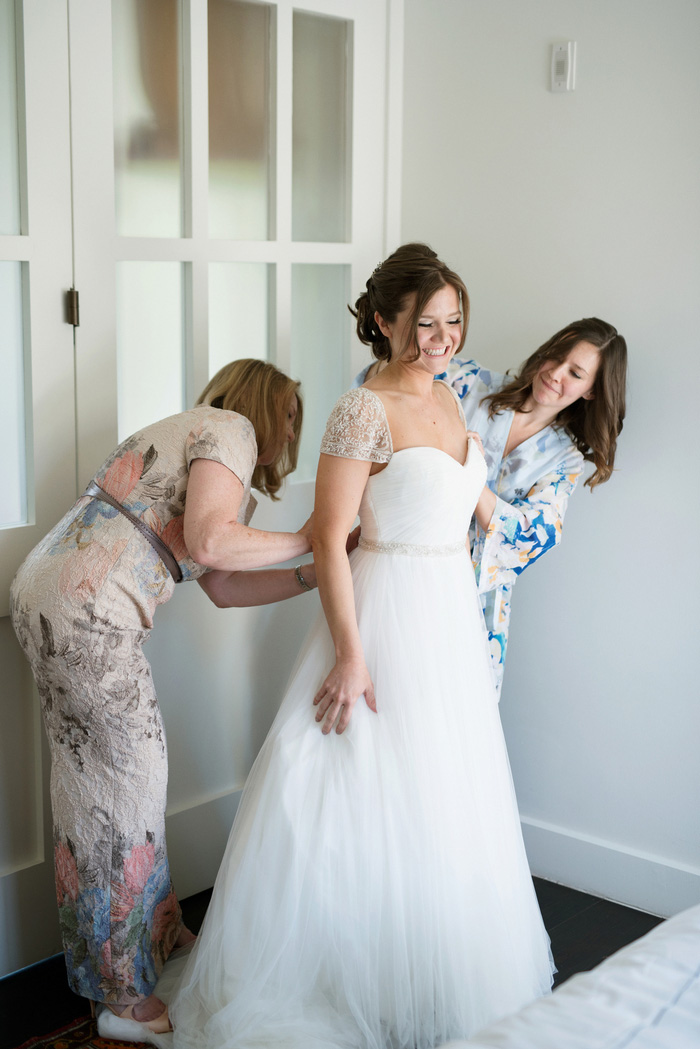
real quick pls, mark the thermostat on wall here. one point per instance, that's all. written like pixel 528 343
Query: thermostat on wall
pixel 564 66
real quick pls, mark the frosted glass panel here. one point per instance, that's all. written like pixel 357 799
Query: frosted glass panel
pixel 321 326
pixel 239 119
pixel 150 344
pixel 320 128
pixel 13 486
pixel 238 312
pixel 147 107
pixel 9 139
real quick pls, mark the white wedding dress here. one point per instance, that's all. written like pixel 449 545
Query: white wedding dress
pixel 375 893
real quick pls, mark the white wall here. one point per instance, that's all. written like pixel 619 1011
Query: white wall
pixel 555 207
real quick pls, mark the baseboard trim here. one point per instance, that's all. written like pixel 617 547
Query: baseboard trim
pixel 606 869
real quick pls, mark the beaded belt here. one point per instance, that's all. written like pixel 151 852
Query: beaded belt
pixel 413 549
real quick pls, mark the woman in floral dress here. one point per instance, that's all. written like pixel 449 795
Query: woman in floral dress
pixel 82 605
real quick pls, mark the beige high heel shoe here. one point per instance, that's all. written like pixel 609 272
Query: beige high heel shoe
pixel 183 944
pixel 126 1026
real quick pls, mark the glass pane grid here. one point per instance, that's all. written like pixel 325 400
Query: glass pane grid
pixel 319 344
pixel 10 217
pixel 13 462
pixel 150 343
pixel 147 117
pixel 154 315
pixel 239 119
pixel 239 312
pixel 321 117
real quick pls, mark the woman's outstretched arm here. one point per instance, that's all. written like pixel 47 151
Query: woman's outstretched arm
pixel 262 587
pixel 339 486
pixel 216 539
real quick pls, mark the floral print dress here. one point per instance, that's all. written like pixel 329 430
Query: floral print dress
pixel 82 605
pixel 532 487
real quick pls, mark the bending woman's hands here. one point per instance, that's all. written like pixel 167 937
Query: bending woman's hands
pixel 352 540
pixel 476 438
pixel 307 529
pixel 338 694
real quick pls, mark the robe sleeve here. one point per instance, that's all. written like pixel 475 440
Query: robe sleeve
pixel 520 532
pixel 462 375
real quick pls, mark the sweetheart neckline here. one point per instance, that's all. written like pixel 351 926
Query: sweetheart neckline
pixel 411 446
pixel 429 448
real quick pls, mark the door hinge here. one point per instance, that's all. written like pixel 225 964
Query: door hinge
pixel 73 307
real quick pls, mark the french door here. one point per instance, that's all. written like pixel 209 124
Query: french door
pixel 236 198
pixel 215 180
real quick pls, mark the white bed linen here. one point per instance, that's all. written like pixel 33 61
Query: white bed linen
pixel 646 996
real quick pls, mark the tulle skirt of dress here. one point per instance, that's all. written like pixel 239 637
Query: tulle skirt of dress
pixel 374 893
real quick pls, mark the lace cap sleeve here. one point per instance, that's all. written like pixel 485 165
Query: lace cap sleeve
pixel 357 428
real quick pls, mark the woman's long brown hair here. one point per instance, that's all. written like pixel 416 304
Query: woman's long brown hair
pixel 593 425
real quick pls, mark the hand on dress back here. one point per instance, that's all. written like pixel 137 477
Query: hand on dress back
pixel 352 539
pixel 347 681
pixel 307 529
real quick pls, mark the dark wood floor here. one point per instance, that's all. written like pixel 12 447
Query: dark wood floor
pixel 584 930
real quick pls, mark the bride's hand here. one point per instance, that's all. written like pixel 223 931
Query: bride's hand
pixel 339 692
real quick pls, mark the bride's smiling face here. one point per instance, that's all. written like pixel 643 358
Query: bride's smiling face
pixel 438 331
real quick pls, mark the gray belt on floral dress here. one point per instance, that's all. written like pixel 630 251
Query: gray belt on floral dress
pixel 164 553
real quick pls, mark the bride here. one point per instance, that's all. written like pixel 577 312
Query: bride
pixel 375 893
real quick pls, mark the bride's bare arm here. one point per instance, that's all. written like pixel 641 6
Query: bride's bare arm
pixel 339 486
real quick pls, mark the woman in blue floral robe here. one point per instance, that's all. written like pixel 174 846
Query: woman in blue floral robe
pixel 532 486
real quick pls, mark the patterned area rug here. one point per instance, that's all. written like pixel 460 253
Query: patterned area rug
pixel 81 1034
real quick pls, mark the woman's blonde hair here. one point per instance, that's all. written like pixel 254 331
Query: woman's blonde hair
pixel 262 393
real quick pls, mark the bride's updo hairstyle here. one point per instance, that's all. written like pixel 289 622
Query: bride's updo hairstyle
pixel 261 393
pixel 594 425
pixel 412 270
